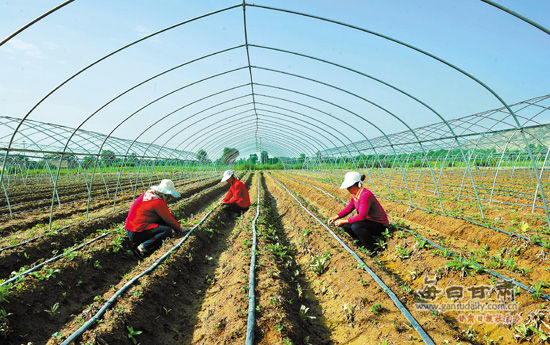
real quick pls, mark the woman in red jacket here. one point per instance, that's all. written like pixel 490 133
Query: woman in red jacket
pixel 371 219
pixel 149 220
pixel 237 200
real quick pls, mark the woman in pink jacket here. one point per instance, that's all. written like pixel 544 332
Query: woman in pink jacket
pixel 371 219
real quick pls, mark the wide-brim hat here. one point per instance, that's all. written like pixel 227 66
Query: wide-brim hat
pixel 227 175
pixel 350 179
pixel 166 186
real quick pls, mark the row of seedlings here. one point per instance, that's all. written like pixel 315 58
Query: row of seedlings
pixel 158 300
pixel 446 284
pixel 354 304
pixel 78 279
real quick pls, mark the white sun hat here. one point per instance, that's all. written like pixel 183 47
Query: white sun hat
pixel 350 179
pixel 166 186
pixel 227 175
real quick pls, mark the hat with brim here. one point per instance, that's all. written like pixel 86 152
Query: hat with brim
pixel 227 175
pixel 166 186
pixel 350 179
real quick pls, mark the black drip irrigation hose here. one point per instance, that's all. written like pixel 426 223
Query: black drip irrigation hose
pixel 511 234
pixel 453 254
pixel 251 288
pixel 112 300
pixel 77 248
pixel 56 231
pixel 421 332
pixel 55 258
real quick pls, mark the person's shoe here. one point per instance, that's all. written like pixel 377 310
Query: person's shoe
pixel 140 251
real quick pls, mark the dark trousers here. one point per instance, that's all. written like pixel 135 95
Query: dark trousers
pixel 234 210
pixel 151 239
pixel 365 231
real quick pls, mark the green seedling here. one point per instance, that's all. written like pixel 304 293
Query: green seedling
pixel 349 311
pixel 304 312
pixel 376 309
pixel 53 309
pixel 132 333
pixel 403 253
pixel 524 226
pixel 543 337
pixel 522 332
pixel 318 264
pixel 5 291
pixel 97 265
pixel 462 265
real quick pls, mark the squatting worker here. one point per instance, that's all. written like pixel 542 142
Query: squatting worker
pixel 149 220
pixel 371 219
pixel 236 201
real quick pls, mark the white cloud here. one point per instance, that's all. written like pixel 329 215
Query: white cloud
pixel 19 46
pixel 142 30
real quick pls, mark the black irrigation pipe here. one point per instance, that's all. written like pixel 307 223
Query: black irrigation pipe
pixel 493 273
pixel 106 306
pixel 251 288
pixel 511 234
pixel 55 258
pixel 421 332
pixel 79 247
pixel 76 224
pixel 60 229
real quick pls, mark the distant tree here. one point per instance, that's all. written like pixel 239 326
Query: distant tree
pixel 88 161
pixel 131 160
pixel 229 155
pixel 253 158
pixel 263 157
pixel 108 157
pixel 202 156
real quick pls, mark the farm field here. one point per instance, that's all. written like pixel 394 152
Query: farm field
pixel 309 289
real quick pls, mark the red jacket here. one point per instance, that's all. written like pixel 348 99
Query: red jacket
pixel 237 194
pixel 147 212
pixel 367 207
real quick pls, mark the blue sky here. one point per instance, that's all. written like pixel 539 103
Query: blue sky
pixel 507 54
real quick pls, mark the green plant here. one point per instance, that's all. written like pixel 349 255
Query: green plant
pixel 97 265
pixel 462 265
pixel 403 253
pixel 304 312
pixel 376 309
pixel 52 310
pixel 132 333
pixel 5 291
pixel 522 330
pixel 349 311
pixel 318 264
pixel 538 289
pixel 543 337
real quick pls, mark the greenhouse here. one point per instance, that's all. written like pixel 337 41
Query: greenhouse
pixel 437 112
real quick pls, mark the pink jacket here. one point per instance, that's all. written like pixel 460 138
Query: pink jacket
pixel 367 206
